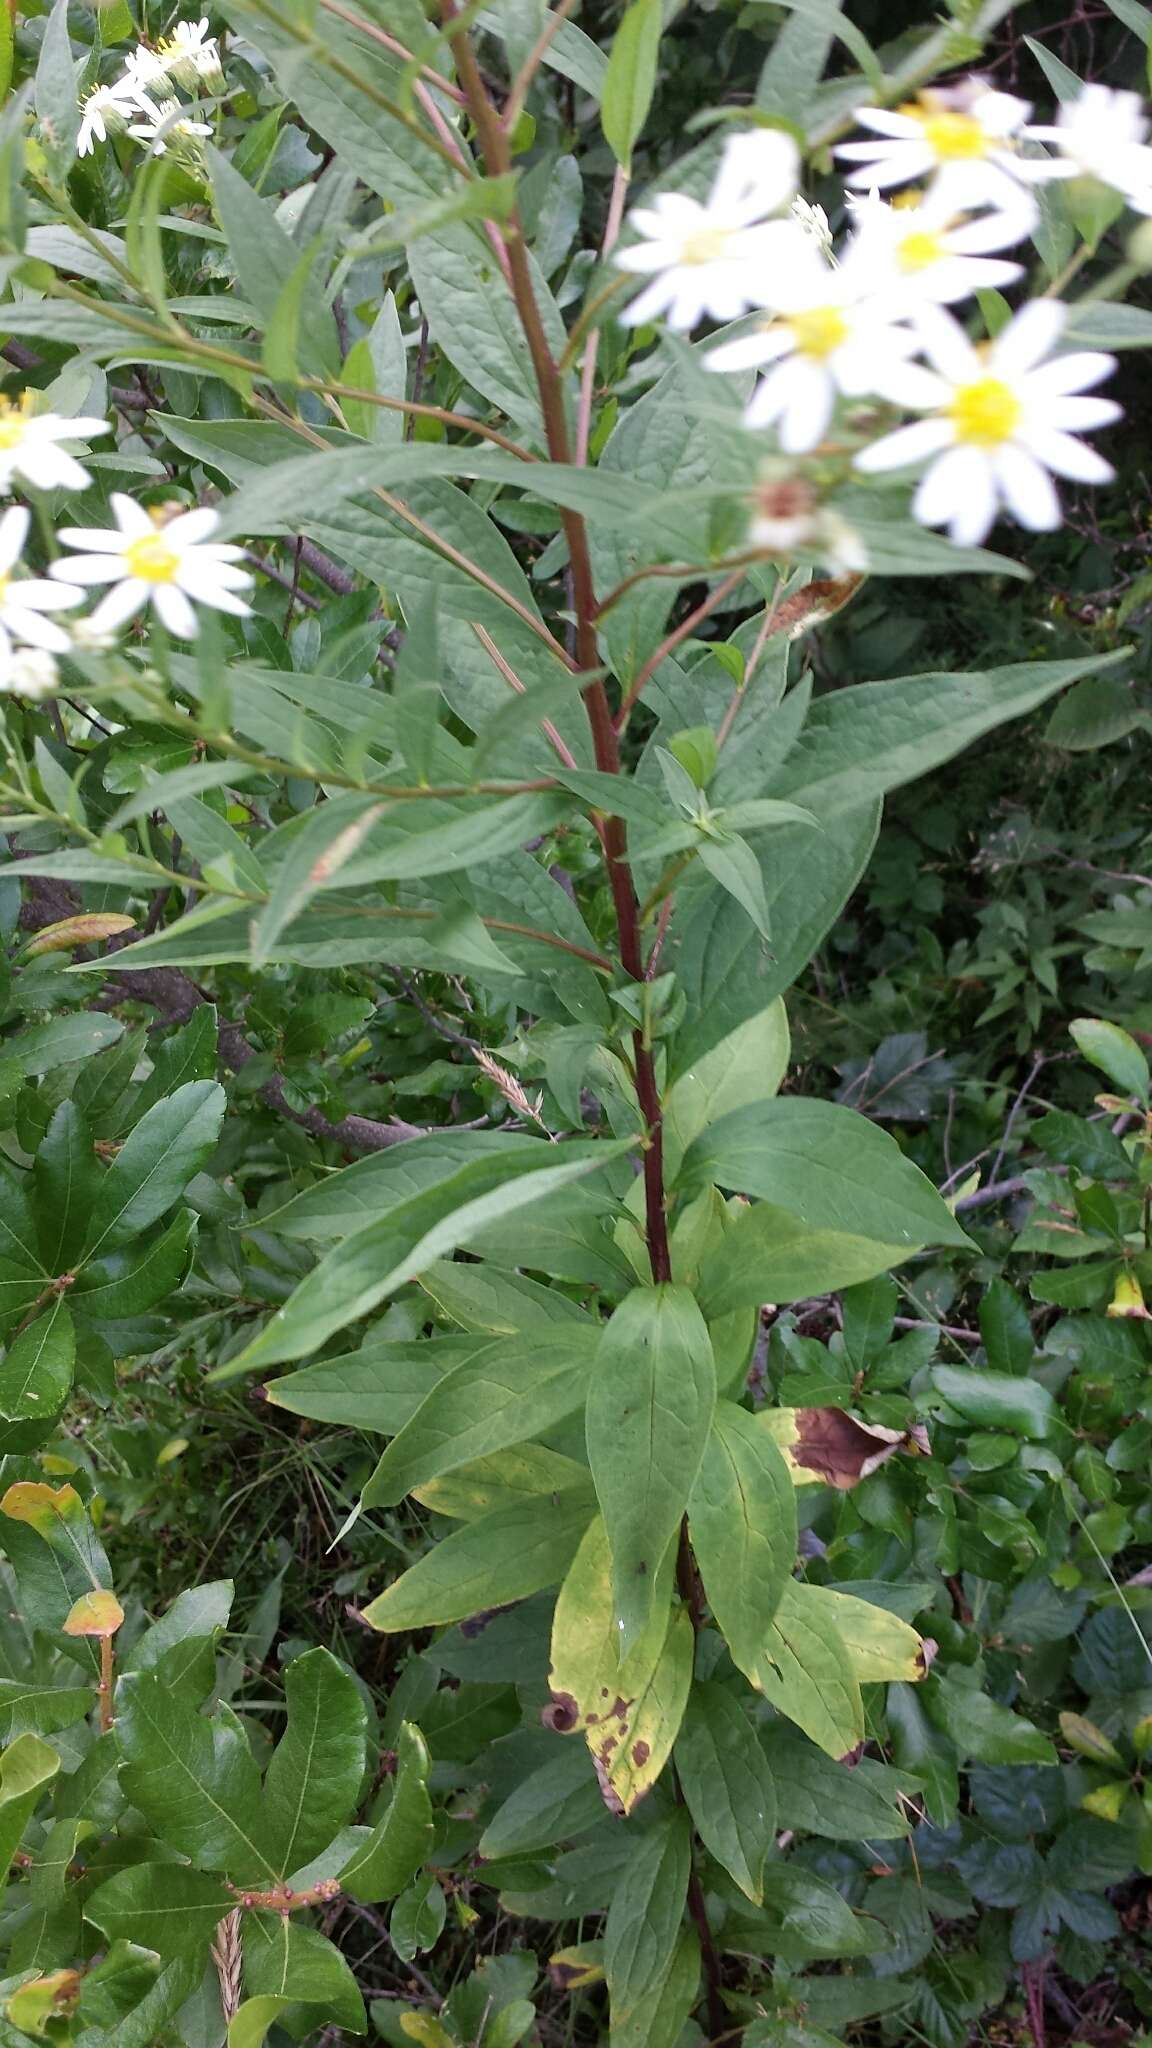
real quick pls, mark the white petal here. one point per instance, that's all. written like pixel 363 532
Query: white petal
pixel 911 385
pixel 648 305
pixel 95 539
pixel 119 605
pixel 999 229
pixel 198 577
pixel 946 345
pixel 907 445
pixel 48 468
pixel 1030 335
pixel 191 528
pixel 13 534
pixel 767 345
pixel 1075 372
pixel 1067 456
pixel 958 490
pixel 53 428
pixel 225 601
pixel 1080 414
pixel 1027 488
pixel 131 518
pixel 88 569
pixel 895 166
pixel 645 258
pixel 37 632
pixel 811 397
pixel 956 278
pixel 887 121
pixel 36 594
pixel 175 611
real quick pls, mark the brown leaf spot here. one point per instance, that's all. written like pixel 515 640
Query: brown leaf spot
pixel 562 1713
pixel 842 1450
pixel 640 1754
pixel 608 1792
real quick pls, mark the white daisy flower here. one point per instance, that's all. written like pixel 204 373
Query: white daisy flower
pixel 962 138
pixel 30 450
pixel 704 258
pixel 1001 418
pixel 926 250
pixel 192 55
pixel 829 332
pixel 31 673
pixel 1101 134
pixel 105 112
pixel 145 72
pixel 170 565
pixel 165 123
pixel 24 598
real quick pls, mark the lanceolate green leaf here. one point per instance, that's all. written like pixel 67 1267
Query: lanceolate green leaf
pixel 727 1784
pixel 155 1163
pixel 36 1371
pixel 742 1519
pixel 312 1784
pixel 366 1268
pixel 513 1390
pixel 194 1780
pixel 402 1838
pixel 26 1767
pixel 828 1166
pixel 644 1919
pixel 769 1255
pixel 630 78
pixel 163 1906
pixel 649 1411
pixel 862 741
pixel 504 1556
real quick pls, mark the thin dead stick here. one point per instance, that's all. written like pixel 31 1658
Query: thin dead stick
pixel 105 1686
pixel 675 639
pixel 588 368
pixel 514 683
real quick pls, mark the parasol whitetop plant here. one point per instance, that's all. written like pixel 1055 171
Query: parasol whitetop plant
pixel 421 752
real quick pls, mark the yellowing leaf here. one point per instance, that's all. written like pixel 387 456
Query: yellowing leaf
pixel 574 1969
pixel 807 1673
pixel 84 930
pixel 94 1614
pixel 880 1646
pixel 629 1711
pixel 41 1506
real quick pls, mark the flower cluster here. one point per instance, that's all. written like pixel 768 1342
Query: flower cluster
pixel 163 557
pixel 143 100
pixel 867 321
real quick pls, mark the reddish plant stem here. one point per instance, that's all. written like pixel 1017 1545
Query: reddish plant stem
pixel 498 162
pixel 673 640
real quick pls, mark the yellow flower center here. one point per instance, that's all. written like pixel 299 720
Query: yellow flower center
pixel 707 246
pixel 5 586
pixel 818 331
pixel 985 413
pixel 14 420
pixel 953 138
pixel 152 559
pixel 919 250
